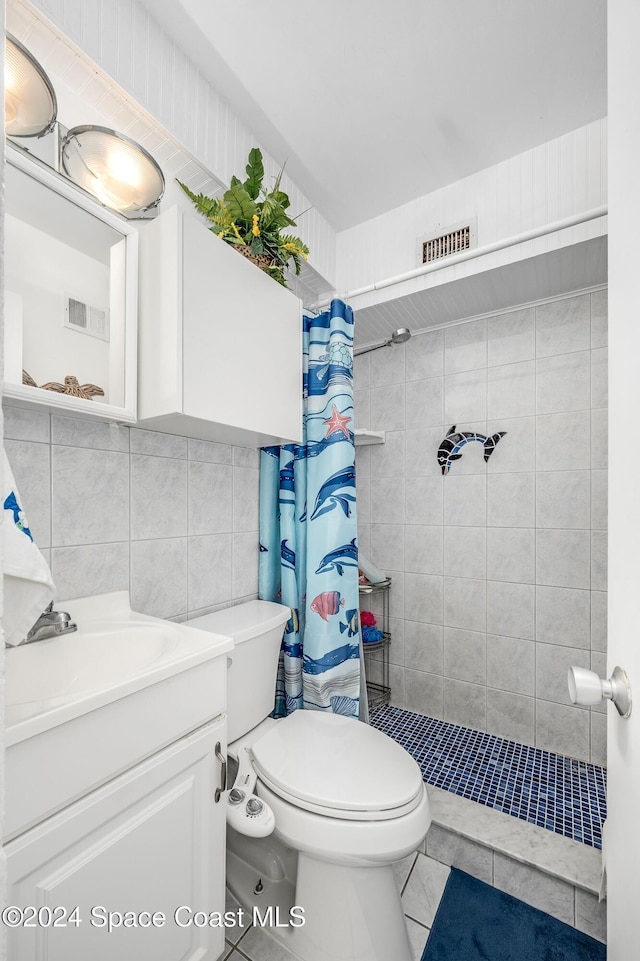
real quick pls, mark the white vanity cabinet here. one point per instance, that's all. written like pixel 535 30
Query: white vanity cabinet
pixel 220 342
pixel 150 842
pixel 115 801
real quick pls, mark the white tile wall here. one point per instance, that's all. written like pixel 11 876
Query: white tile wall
pixel 498 569
pixel 173 520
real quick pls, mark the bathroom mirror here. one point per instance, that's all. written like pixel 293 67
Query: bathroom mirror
pixel 70 297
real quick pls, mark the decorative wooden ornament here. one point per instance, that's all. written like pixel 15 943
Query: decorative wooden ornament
pixel 72 387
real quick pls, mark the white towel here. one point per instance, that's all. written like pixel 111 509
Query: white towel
pixel 27 581
pixel 373 574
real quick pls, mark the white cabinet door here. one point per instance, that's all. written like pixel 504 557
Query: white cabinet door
pixel 242 340
pixel 220 341
pixel 148 843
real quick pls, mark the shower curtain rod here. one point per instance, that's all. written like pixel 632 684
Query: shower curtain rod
pixel 594 214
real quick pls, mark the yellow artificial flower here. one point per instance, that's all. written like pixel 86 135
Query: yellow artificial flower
pixel 296 250
pixel 255 228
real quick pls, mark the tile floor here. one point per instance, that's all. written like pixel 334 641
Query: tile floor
pixel 550 790
pixel 421 881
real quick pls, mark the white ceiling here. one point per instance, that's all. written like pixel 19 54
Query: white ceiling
pixel 375 102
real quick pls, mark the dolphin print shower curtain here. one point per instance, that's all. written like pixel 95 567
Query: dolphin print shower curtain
pixel 308 552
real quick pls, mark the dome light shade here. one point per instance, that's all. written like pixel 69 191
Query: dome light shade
pixel 29 100
pixel 112 167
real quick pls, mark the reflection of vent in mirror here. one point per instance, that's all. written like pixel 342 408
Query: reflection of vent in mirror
pixel 83 317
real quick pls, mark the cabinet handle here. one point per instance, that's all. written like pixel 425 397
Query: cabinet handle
pixel 223 772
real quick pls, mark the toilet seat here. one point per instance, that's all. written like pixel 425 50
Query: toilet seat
pixel 352 771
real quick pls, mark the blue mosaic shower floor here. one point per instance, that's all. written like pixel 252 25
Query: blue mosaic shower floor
pixel 550 790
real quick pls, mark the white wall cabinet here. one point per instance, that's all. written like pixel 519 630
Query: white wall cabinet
pixel 151 840
pixel 220 342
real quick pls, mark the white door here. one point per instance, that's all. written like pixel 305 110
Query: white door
pixel 623 826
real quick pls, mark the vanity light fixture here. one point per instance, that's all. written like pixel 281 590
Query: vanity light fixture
pixel 29 100
pixel 110 166
pixel 113 168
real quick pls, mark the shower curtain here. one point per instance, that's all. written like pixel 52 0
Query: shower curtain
pixel 308 551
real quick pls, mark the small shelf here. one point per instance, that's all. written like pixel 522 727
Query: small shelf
pixel 20 395
pixel 378 695
pixel 364 437
pixel 376 654
pixel 375 588
pixel 376 645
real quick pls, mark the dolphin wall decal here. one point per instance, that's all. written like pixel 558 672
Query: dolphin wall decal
pixel 453 443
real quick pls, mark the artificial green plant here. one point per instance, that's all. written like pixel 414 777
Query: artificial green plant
pixel 250 216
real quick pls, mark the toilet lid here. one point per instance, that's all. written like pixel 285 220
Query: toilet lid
pixel 337 766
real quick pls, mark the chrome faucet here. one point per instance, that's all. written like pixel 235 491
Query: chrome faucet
pixel 50 624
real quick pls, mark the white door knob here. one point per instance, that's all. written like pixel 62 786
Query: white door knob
pixel 586 688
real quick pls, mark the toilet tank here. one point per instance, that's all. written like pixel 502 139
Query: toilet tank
pixel 256 628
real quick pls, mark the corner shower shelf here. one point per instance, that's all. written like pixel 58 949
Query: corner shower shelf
pixel 365 437
pixel 377 645
pixel 378 691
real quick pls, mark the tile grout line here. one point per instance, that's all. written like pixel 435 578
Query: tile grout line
pixel 415 861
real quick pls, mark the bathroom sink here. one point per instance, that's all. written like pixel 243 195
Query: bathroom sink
pixel 83 707
pixel 114 652
pixel 74 664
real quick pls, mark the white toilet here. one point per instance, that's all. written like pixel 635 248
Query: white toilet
pixel 321 807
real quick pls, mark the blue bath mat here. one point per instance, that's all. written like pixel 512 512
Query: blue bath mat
pixel 476 922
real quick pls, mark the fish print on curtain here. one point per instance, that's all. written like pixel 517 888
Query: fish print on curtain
pixel 308 550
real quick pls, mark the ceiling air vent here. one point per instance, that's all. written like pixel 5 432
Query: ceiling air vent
pixel 454 240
